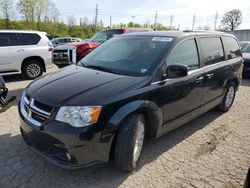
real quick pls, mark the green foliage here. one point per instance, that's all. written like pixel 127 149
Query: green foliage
pixel 56 29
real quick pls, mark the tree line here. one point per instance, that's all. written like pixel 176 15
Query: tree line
pixel 43 15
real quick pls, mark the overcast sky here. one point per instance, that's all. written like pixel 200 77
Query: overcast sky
pixel 143 10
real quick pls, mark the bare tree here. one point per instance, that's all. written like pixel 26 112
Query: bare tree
pixel 6 7
pixel 52 13
pixel 27 9
pixel 231 19
pixel 41 9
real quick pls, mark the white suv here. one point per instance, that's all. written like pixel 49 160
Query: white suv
pixel 24 52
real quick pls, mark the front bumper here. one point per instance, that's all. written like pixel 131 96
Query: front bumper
pixel 65 146
pixel 64 55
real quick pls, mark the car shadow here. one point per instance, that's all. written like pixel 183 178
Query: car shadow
pixel 14 78
pixel 19 164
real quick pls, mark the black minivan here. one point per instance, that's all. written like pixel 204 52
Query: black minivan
pixel 131 87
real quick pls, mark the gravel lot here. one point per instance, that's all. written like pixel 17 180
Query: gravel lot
pixel 211 151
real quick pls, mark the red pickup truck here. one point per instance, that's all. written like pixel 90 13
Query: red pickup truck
pixel 71 53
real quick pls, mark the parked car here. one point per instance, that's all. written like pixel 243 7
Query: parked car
pixel 3 94
pixel 132 86
pixel 64 40
pixel 74 52
pixel 24 52
pixel 245 49
pixel 243 43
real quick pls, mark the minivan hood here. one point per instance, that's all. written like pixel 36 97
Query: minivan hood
pixel 77 86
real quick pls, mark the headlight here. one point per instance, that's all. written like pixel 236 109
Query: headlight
pixel 79 116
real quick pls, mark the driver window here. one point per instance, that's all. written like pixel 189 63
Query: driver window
pixel 185 53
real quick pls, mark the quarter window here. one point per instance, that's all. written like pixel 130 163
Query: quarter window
pixel 29 38
pixel 212 50
pixel 185 53
pixel 232 48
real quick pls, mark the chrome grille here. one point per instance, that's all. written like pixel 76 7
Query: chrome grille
pixel 34 111
pixel 64 56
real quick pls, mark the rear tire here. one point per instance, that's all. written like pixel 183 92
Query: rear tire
pixel 32 69
pixel 228 99
pixel 129 142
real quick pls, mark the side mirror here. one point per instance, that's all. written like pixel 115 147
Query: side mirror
pixel 177 71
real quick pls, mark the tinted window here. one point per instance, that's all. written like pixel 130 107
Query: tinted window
pixel 9 39
pixel 232 48
pixel 130 55
pixel 105 35
pixel 246 49
pixel 212 50
pixel 29 38
pixel 18 39
pixel 185 53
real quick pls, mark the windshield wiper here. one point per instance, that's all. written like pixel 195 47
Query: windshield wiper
pixel 97 67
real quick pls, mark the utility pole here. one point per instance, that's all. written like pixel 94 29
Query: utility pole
pixel 215 21
pixel 171 21
pixel 96 15
pixel 156 16
pixel 132 18
pixel 193 22
pixel 110 22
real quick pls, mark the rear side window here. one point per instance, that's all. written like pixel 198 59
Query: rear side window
pixel 185 53
pixel 29 38
pixel 212 50
pixel 18 39
pixel 232 48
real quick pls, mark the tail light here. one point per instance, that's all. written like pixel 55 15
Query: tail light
pixel 50 46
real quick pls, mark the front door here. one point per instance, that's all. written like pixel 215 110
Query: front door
pixel 182 97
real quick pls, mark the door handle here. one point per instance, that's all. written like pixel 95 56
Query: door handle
pixel 20 50
pixel 210 75
pixel 199 79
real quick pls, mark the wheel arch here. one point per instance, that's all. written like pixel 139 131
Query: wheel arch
pixel 38 58
pixel 152 114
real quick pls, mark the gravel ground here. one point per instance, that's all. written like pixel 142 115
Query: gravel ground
pixel 211 151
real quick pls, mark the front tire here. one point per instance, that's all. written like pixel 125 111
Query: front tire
pixel 228 99
pixel 129 142
pixel 32 69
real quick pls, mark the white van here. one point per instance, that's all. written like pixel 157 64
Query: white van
pixel 24 52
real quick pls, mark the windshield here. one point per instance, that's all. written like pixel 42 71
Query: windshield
pixel 246 48
pixel 105 35
pixel 128 55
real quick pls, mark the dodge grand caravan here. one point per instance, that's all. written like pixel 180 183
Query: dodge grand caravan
pixel 133 86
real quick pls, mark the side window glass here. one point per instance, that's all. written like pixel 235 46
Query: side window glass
pixel 246 49
pixel 9 39
pixel 212 50
pixel 29 38
pixel 232 48
pixel 185 53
